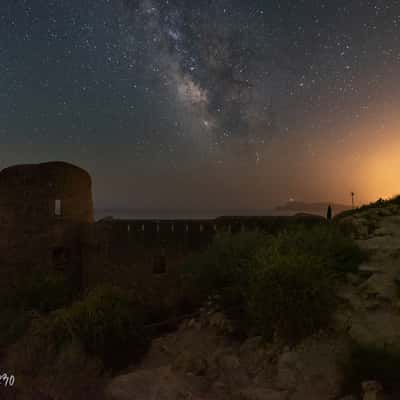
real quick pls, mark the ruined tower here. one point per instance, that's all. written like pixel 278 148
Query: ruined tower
pixel 42 210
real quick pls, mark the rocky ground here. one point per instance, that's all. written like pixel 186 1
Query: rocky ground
pixel 372 296
pixel 200 362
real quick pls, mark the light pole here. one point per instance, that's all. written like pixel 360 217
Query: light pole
pixel 352 199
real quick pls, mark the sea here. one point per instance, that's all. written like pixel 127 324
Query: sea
pixel 133 214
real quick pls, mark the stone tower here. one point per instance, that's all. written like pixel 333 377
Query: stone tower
pixel 43 208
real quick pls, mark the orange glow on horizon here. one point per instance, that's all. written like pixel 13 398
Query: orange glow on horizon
pixel 381 171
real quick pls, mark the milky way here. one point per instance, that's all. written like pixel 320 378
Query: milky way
pixel 214 104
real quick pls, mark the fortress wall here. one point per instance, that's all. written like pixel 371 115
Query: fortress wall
pixel 143 254
pixel 149 254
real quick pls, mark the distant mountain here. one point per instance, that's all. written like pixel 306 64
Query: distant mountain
pixel 311 208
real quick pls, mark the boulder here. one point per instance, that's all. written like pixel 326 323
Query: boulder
pixel 218 320
pixel 191 364
pixel 261 394
pixel 250 345
pixel 372 390
pixel 382 232
pixel 288 370
pixel 154 384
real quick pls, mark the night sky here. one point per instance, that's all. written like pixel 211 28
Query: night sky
pixel 206 104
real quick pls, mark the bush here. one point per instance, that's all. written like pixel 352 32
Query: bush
pixel 108 324
pixel 338 251
pixel 290 295
pixel 43 372
pixel 371 362
pixel 32 293
pixel 281 284
pixel 222 269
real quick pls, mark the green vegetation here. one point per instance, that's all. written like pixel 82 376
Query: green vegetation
pixel 31 294
pixel 222 268
pixel 330 242
pixel 290 294
pixel 108 325
pixel 370 362
pixel 282 284
pixel 57 334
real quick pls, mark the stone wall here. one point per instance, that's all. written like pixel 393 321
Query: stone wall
pixel 148 254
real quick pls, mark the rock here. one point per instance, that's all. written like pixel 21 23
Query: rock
pixel 221 390
pixel 288 372
pixel 382 232
pixel 353 279
pixel 256 361
pixel 218 320
pixel 315 387
pixel 152 384
pixel 397 279
pixel 379 286
pixel 385 212
pixel 393 208
pixel 361 227
pixel 232 371
pixel 255 356
pixel 368 270
pixel 262 394
pixel 251 344
pixel 191 364
pixel 372 304
pixel 191 323
pixel 373 390
pixel 229 362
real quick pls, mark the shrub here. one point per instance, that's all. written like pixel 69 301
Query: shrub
pixel 338 251
pixel 279 284
pixel 290 294
pixel 371 362
pixel 108 324
pixel 222 269
pixel 43 372
pixel 31 293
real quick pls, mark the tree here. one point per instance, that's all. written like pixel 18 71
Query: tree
pixel 329 213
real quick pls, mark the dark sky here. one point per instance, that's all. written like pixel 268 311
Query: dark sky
pixel 206 104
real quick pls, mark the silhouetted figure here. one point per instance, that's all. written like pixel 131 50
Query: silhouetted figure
pixel 329 213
